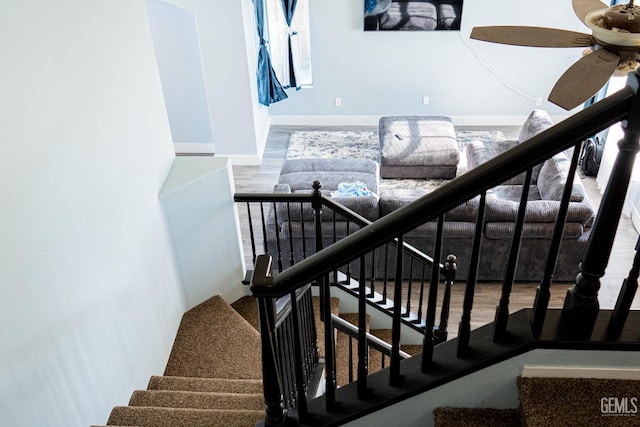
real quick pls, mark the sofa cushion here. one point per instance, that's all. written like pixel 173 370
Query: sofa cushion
pixel 297 175
pixel 479 152
pixel 500 210
pixel 392 200
pixel 537 122
pixel 300 173
pixel 418 147
pixel 536 230
pixel 366 206
pixel 553 177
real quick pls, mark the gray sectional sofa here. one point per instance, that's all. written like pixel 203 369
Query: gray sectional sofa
pixel 501 209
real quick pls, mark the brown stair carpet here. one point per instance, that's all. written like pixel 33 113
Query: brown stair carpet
pixel 205 384
pixel 476 417
pixel 247 307
pixel 171 417
pixel 562 401
pixel 215 341
pixel 196 400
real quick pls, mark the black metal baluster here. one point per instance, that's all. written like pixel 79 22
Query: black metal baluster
pixel 385 279
pixel 543 293
pixel 407 312
pixel 395 379
pixel 335 239
pixel 285 362
pixel 304 233
pixel 363 351
pixel 372 285
pixel 421 296
pixel 252 235
pixel 502 310
pixel 278 243
pixel 264 229
pixel 450 268
pixel 298 358
pixel 464 328
pixel 350 366
pixel 428 340
pixel 625 297
pixel 348 280
pixel 292 260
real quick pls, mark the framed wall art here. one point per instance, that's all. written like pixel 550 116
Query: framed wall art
pixel 412 15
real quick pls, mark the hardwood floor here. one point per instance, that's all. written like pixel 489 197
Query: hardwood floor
pixel 262 178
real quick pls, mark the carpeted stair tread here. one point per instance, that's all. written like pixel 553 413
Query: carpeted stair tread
pixel 561 401
pixel 221 385
pixel 411 349
pixel 247 306
pixel 196 400
pixel 144 416
pixel 476 417
pixel 215 341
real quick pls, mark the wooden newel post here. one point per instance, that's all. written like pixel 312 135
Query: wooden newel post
pixel 581 303
pixel 275 414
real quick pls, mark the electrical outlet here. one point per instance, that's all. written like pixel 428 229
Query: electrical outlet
pixel 425 100
pixel 538 102
pixel 337 102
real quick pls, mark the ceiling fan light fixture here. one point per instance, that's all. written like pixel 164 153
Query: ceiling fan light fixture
pixel 611 36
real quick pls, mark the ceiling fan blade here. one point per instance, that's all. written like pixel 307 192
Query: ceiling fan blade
pixel 531 36
pixel 584 78
pixel 583 7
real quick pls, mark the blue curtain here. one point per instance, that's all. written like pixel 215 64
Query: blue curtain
pixel 269 88
pixel 289 8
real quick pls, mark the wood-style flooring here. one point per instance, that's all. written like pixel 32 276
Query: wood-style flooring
pixel 262 178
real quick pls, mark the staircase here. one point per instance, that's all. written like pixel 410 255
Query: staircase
pixel 213 376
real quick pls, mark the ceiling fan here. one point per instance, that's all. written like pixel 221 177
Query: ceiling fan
pixel 613 46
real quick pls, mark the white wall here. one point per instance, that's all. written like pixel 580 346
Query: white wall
pixel 177 48
pixel 197 198
pixel 229 55
pixel 388 73
pixel 89 296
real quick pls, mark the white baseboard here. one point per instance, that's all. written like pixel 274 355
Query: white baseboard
pixel 194 148
pixel 373 120
pixel 597 372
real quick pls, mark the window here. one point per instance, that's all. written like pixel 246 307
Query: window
pixel 298 73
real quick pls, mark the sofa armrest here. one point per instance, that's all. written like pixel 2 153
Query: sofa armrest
pixel 282 188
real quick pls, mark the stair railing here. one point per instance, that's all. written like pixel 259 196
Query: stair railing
pixel 581 304
pixel 271 218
